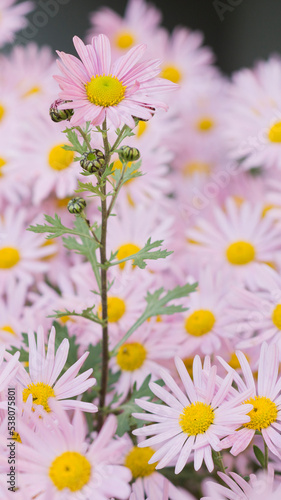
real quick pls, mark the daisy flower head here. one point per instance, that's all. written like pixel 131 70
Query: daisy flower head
pixel 253 127
pixel 58 463
pixel 44 368
pixel 12 19
pixel 100 89
pixel 140 24
pixel 254 315
pixel 146 479
pixel 193 421
pixel 21 252
pixel 202 325
pixel 265 398
pixel 143 354
pixel 237 237
pixel 52 168
pixel 260 485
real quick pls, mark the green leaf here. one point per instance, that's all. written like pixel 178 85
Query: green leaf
pixel 158 304
pixel 259 455
pixel 55 228
pixel 145 253
pixel 88 187
pixel 86 313
pixel 72 137
pixel 24 351
pixel 125 419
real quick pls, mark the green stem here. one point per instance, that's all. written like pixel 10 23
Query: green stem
pixel 119 139
pixel 103 260
pixel 265 456
pixel 116 190
pixel 219 461
pixel 89 226
pixel 82 133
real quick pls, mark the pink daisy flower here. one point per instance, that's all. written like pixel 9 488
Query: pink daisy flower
pixel 146 479
pixel 143 354
pixel 12 19
pixel 99 89
pixel 254 316
pixel 52 168
pixel 257 488
pixel 138 25
pixel 41 380
pixel 202 326
pixel 21 252
pixel 30 69
pixel 57 462
pixel 253 126
pixel 265 396
pixel 237 239
pixel 191 422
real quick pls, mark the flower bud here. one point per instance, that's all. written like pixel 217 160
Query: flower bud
pixel 93 161
pixel 128 154
pixel 76 205
pixel 58 115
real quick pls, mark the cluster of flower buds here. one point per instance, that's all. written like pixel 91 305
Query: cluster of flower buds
pixel 58 115
pixel 93 161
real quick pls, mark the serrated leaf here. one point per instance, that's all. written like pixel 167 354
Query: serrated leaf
pixel 143 254
pixel 55 228
pixel 259 455
pixel 73 139
pixel 157 304
pixel 88 187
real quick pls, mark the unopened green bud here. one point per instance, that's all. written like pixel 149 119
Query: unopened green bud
pixel 76 205
pixel 58 115
pixel 128 154
pixel 93 161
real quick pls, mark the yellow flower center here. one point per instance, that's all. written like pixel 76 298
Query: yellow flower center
pixel 131 357
pixel 105 91
pixel 70 470
pixel 125 251
pixel 34 90
pixel 274 133
pixel 137 461
pixel 240 253
pixel 200 322
pixel 2 164
pixel 16 437
pixel 141 128
pixel 263 414
pixel 2 112
pixel 171 73
pixel 196 418
pixel 40 394
pixel 205 124
pixel 59 158
pixel 63 202
pixel 124 40
pixel 8 328
pixel 276 316
pixel 9 257
pixel 196 166
pixel 116 307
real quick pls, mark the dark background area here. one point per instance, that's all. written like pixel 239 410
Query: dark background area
pixel 239 31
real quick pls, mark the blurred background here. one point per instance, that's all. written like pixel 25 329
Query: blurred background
pixel 239 31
